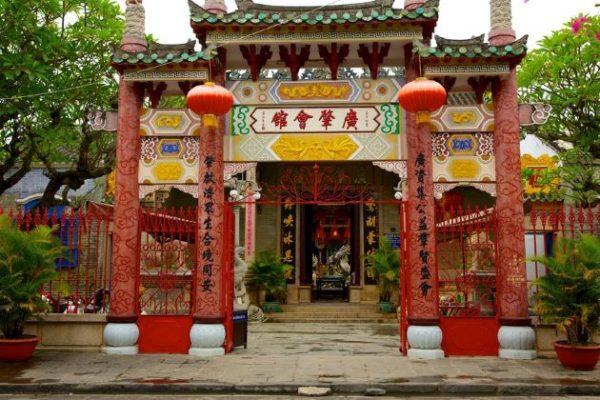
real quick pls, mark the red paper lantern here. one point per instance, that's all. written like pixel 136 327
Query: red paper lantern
pixel 209 100
pixel 422 96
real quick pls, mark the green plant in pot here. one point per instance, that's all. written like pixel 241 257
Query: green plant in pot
pixel 26 263
pixel 385 266
pixel 269 273
pixel 569 295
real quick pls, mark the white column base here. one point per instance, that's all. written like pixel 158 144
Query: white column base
pixel 217 351
pixel 517 343
pixel 509 354
pixel 425 342
pixel 120 338
pixel 420 354
pixel 122 351
pixel 207 340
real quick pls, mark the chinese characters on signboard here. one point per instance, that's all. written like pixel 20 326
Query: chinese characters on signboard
pixel 359 119
pixel 288 235
pixel 422 227
pixel 371 237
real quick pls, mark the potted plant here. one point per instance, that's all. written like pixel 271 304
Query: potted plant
pixel 26 263
pixel 570 296
pixel 269 273
pixel 385 266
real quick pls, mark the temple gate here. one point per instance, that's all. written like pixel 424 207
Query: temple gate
pixel 302 102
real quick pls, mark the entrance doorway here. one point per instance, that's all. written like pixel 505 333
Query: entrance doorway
pixel 331 256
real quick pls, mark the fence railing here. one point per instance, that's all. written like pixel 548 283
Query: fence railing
pixel 466 259
pixel 466 255
pixel 467 251
pixel 83 273
pixel 544 225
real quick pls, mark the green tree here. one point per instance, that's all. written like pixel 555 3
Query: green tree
pixel 565 73
pixel 59 48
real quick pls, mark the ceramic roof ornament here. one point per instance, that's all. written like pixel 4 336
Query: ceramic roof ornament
pixel 501 22
pixel 134 33
pixel 215 6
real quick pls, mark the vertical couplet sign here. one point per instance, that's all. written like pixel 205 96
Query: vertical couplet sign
pixel 371 237
pixel 288 236
pixel 207 299
pixel 423 227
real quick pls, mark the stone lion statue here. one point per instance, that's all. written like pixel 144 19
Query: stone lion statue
pixel 242 300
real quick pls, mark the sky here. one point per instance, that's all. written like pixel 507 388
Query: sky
pixel 167 20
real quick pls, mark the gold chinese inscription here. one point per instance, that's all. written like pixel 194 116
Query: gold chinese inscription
pixel 288 232
pixel 168 121
pixel 314 147
pixel 371 235
pixel 315 91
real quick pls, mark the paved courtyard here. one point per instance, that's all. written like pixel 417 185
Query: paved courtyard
pixel 348 358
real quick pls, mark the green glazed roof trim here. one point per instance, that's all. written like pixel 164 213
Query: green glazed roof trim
pixel 160 54
pixel 255 14
pixel 470 48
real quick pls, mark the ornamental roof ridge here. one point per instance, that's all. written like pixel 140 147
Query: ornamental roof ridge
pixel 473 41
pixel 178 47
pixel 365 7
pixel 252 13
pixel 159 53
pixel 470 48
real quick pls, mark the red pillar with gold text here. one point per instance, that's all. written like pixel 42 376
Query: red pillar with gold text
pixel 121 334
pixel 424 334
pixel 208 310
pixel 516 337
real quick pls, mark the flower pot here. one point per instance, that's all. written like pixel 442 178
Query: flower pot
pixel 271 306
pixel 582 358
pixel 385 307
pixel 17 350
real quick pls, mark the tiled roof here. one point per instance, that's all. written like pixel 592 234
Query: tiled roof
pixel 471 48
pixel 249 13
pixel 160 54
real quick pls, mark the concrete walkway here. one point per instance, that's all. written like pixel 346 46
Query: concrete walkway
pixel 348 358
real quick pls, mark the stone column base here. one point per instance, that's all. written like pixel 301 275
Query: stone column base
pixel 121 338
pixel 420 354
pixel 517 343
pixel 425 342
pixel 207 340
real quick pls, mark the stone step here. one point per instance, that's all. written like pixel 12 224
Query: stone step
pixel 313 320
pixel 331 313
pixel 318 308
pixel 336 315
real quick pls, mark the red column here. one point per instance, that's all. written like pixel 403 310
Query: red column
pixel 207 307
pixel 126 240
pixel 512 278
pixel 422 268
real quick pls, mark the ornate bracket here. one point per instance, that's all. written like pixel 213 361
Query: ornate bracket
pixel 255 60
pixel 534 114
pixel 335 57
pixel 447 82
pixel 374 57
pixel 397 167
pixel 293 59
pixel 186 86
pixel 237 168
pixel 479 86
pixel 155 92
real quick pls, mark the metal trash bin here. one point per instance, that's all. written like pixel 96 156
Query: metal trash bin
pixel 240 328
